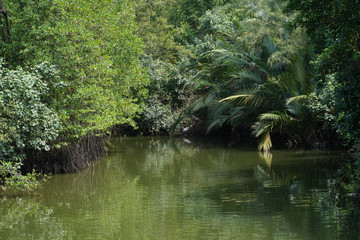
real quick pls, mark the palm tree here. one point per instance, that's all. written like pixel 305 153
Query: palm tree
pixel 258 75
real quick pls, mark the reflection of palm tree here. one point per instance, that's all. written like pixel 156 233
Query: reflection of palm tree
pixel 266 157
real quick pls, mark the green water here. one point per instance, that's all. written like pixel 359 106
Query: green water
pixel 156 188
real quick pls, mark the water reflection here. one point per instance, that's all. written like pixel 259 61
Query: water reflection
pixel 156 188
pixel 19 216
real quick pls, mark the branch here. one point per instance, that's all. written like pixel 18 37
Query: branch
pixel 6 16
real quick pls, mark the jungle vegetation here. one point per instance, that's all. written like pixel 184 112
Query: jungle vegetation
pixel 278 72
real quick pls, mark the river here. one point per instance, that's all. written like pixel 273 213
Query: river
pixel 160 188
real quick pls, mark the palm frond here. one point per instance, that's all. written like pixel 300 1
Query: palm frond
pixel 265 143
pixel 299 98
pixel 272 116
pixel 218 122
pixel 277 60
pixel 219 115
pixel 249 74
pixel 265 125
pixel 270 46
pixel 243 98
pixel 261 127
pixel 236 113
pixel 276 118
pixel 210 100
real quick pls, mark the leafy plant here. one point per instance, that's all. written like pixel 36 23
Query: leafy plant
pixel 93 45
pixel 27 122
pixel 13 182
pixel 260 73
pixel 334 30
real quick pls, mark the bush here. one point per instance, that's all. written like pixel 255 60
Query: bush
pixel 13 181
pixel 26 121
pixel 167 95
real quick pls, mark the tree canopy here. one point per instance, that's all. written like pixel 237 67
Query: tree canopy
pixel 334 27
pixel 70 69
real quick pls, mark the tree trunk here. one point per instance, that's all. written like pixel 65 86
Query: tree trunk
pixel 6 16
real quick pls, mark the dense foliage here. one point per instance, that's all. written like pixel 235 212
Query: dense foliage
pixel 254 73
pixel 93 45
pixel 72 70
pixel 26 120
pixel 168 66
pixel 248 69
pixel 93 82
pixel 334 28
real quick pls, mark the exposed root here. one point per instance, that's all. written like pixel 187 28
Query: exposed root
pixel 72 158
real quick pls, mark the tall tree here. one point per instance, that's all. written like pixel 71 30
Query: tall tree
pixel 93 45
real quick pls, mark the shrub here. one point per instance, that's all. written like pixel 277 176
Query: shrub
pixel 26 121
pixel 13 181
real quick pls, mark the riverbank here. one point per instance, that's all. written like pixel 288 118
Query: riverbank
pixel 72 158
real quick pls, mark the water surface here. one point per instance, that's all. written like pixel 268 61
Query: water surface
pixel 157 188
